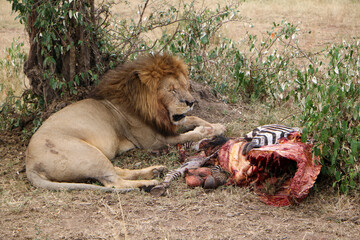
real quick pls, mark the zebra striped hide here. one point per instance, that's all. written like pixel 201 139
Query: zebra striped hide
pixel 267 135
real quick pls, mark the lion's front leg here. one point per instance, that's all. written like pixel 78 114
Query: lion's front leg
pixel 191 122
pixel 201 129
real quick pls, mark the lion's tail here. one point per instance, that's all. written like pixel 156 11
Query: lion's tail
pixel 40 182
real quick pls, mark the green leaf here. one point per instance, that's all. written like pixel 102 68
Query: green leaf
pixel 324 135
pixel 337 175
pixel 205 39
pixel 355 145
pixel 53 83
pixel 304 135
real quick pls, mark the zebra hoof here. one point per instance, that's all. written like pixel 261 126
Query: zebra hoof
pixel 158 191
pixel 210 183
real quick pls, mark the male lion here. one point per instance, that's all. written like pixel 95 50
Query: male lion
pixel 139 104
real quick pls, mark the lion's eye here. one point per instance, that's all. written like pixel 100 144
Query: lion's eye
pixel 173 91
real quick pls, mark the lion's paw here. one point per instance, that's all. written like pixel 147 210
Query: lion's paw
pixel 218 129
pixel 153 172
pixel 210 131
pixel 203 131
pixel 149 185
pixel 159 171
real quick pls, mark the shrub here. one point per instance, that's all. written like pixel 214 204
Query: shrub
pixel 330 98
pixel 17 108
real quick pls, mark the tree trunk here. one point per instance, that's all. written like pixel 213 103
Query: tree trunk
pixel 80 51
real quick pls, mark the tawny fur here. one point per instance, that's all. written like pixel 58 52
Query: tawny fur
pixel 139 104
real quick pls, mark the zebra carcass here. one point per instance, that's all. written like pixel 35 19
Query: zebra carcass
pixel 271 160
pixel 281 174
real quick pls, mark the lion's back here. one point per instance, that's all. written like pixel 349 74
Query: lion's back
pixel 85 119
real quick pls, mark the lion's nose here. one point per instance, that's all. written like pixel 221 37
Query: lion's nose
pixel 190 104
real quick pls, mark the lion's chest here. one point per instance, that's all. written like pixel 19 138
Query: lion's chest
pixel 134 132
pixel 145 137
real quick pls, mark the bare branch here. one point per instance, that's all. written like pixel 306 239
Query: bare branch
pixel 142 12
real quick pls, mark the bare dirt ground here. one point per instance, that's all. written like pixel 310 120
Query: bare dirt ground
pixel 225 213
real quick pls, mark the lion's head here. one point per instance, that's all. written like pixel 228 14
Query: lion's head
pixel 155 87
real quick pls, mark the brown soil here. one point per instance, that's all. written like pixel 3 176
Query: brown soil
pixel 224 213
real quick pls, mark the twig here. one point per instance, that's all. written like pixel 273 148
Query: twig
pixel 142 12
pixel 172 37
pixel 122 216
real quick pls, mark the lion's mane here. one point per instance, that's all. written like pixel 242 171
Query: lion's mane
pixel 134 86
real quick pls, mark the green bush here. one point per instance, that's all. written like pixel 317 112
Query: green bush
pixel 17 107
pixel 13 63
pixel 263 73
pixel 330 98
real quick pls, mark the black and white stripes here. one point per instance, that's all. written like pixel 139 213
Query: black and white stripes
pixel 267 135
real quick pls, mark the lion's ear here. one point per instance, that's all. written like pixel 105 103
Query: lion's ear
pixel 150 79
pixel 135 75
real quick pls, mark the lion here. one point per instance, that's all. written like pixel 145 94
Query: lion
pixel 140 104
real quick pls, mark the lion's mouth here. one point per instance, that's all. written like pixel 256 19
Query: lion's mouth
pixel 178 117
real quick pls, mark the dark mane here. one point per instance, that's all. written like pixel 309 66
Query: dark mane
pixel 134 86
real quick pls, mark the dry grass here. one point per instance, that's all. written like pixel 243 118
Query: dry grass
pixel 329 21
pixel 9 28
pixel 226 213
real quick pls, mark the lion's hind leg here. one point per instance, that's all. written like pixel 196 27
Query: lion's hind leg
pixel 144 173
pixel 101 169
pixel 65 159
pixel 126 184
